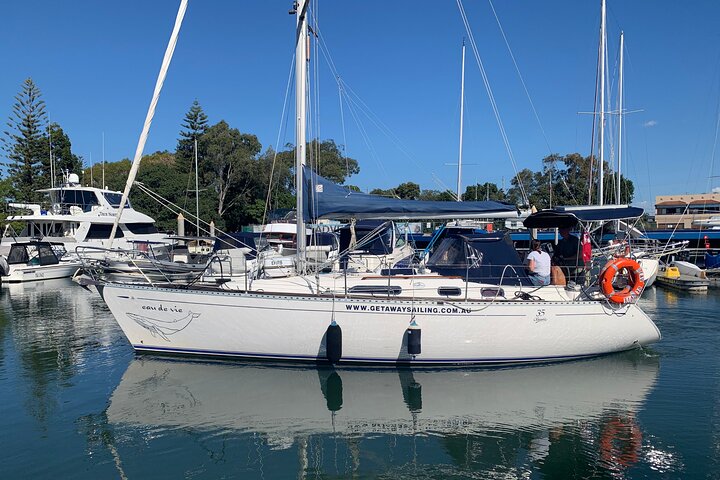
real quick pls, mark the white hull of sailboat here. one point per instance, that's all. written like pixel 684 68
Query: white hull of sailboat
pixel 293 327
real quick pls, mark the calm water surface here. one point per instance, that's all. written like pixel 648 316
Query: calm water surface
pixel 75 402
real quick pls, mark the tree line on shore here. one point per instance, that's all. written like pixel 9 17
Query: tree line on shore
pixel 238 182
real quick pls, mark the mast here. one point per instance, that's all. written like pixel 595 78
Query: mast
pixel 301 59
pixel 462 111
pixel 602 103
pixel 52 166
pixel 620 115
pixel 197 193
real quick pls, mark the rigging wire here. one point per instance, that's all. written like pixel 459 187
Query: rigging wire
pixel 352 99
pixel 522 80
pixel 342 123
pixel 491 97
pixel 277 141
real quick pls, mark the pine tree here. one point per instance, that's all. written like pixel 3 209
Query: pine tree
pixel 24 142
pixel 194 126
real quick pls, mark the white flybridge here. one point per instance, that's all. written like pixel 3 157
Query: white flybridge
pixel 416 319
pixel 78 216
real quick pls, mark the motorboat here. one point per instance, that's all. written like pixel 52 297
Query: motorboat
pixel 681 275
pixel 78 216
pixel 35 261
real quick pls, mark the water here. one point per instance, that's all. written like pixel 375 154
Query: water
pixel 76 402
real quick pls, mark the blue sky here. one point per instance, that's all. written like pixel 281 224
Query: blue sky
pixel 96 65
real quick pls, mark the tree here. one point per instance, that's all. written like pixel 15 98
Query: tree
pixel 59 148
pixel 23 142
pixel 565 180
pixel 229 166
pixel 329 162
pixel 437 196
pixel 408 190
pixel 194 126
pixel 485 191
pixel 325 159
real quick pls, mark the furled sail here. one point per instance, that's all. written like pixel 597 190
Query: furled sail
pixel 325 199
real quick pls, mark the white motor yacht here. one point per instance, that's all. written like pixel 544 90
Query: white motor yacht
pixel 77 215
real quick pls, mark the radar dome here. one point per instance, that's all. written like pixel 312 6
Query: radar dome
pixel 73 178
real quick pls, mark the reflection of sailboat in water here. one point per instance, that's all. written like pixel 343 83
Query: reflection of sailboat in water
pixel 287 405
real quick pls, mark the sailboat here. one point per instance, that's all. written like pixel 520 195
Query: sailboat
pixel 412 319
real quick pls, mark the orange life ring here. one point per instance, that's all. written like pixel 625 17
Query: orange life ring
pixel 635 287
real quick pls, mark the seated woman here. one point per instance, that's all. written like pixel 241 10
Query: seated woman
pixel 538 264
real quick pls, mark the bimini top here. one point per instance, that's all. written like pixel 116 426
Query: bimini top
pixel 325 199
pixel 560 217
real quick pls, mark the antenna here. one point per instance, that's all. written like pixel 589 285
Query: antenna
pixel 92 183
pixel 103 161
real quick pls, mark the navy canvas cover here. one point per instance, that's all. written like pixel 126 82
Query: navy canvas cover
pixel 569 217
pixel 488 258
pixel 325 199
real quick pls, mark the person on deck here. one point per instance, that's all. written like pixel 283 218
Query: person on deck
pixel 538 264
pixel 568 254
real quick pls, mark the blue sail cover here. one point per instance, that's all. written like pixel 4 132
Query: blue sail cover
pixel 325 199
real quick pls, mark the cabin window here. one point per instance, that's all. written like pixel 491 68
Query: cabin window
pixel 376 289
pixel 46 255
pixel 102 232
pixel 114 199
pixel 18 254
pixel 492 292
pixel 83 199
pixel 449 291
pixel 141 228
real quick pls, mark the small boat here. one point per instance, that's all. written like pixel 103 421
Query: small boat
pixel 683 276
pixel 36 260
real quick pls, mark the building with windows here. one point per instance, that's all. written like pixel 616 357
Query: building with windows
pixel 685 211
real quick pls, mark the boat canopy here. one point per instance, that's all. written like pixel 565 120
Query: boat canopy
pixel 560 217
pixel 325 199
pixel 484 257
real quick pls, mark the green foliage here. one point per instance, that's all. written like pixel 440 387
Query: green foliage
pixel 565 180
pixel 325 158
pixel 485 191
pixel 194 126
pixel 58 144
pixel 437 196
pixel 116 174
pixel 230 164
pixel 24 143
